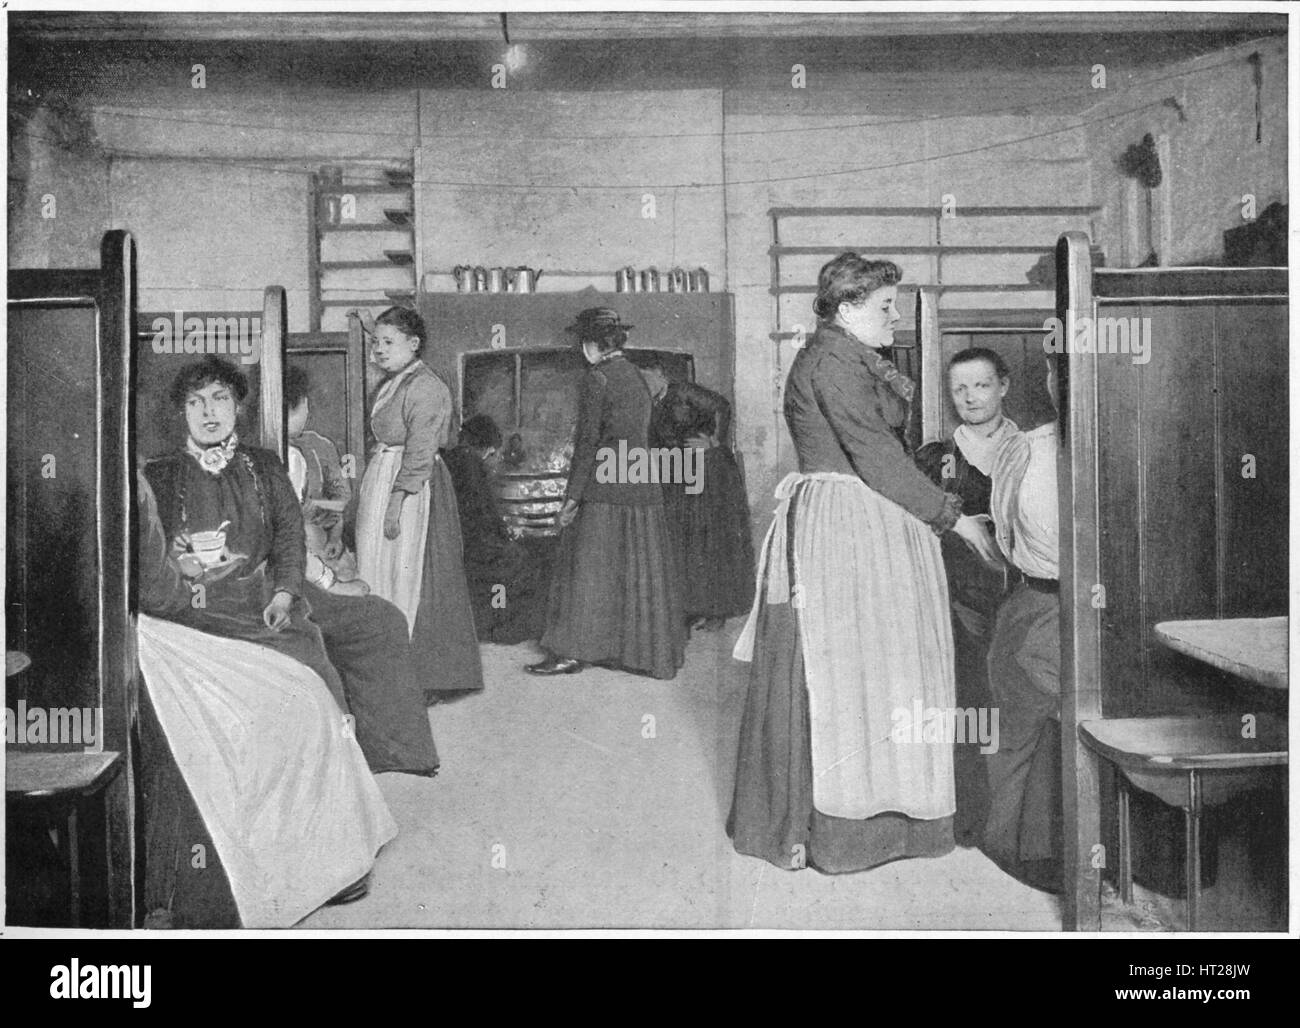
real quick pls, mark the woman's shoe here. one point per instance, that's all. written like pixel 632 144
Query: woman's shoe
pixel 555 666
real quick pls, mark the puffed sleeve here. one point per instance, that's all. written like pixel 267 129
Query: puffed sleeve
pixel 334 484
pixel 586 436
pixel 847 397
pixel 164 590
pixel 426 411
pixel 288 558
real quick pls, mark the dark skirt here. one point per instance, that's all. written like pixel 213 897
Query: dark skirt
pixel 366 639
pixel 712 533
pixel 444 645
pixel 615 597
pixel 772 813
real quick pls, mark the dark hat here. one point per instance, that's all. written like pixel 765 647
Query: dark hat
pixel 596 321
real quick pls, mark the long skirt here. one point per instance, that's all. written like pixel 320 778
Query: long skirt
pixel 273 770
pixel 367 640
pixel 843 763
pixel 422 571
pixel 712 531
pixel 1023 831
pixel 615 596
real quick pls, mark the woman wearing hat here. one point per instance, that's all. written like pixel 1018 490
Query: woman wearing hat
pixel 614 598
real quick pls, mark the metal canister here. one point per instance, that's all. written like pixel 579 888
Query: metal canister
pixel 480 279
pixel 496 280
pixel 650 281
pixel 623 279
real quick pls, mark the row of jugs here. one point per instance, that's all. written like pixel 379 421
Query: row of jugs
pixel 628 280
pixel 495 280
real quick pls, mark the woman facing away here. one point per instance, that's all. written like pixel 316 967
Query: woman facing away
pixel 842 765
pixel 615 597
pixel 709 519
pixel 408 528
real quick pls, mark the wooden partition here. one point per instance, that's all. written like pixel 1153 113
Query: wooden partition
pixel 70 593
pixel 1173 474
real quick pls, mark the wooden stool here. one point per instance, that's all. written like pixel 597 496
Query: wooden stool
pixel 1187 762
pixel 62 781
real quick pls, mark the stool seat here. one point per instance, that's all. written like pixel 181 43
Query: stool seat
pixel 1187 762
pixel 1155 753
pixel 32 774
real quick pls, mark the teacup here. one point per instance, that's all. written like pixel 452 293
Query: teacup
pixel 209 547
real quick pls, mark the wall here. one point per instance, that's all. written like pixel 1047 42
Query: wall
pixel 1213 156
pixel 555 179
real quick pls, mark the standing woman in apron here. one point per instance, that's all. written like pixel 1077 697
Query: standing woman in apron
pixel 849 636
pixel 408 528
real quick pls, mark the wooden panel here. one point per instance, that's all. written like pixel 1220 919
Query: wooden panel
pixel 1080 571
pixel 1120 507
pixel 1254 419
pixel 1178 512
pixel 333 363
pixel 52 571
pixel 1251 284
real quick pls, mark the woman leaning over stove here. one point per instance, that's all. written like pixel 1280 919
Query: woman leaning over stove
pixel 849 636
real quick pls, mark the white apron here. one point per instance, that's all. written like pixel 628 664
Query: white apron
pixel 871 603
pixel 275 770
pixel 393 568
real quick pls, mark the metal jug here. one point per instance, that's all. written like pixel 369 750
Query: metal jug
pixel 650 281
pixel 464 275
pixel 480 279
pixel 496 280
pixel 523 280
pixel 677 281
pixel 698 281
pixel 625 280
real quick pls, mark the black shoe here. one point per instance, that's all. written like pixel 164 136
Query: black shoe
pixel 555 666
pixel 357 890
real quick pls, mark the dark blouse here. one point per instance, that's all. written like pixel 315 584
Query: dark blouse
pixel 253 493
pixel 686 410
pixel 846 406
pixel 613 408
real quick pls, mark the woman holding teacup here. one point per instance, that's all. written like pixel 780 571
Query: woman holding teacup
pixel 233 518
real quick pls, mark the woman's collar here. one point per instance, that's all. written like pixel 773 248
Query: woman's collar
pixel 845 342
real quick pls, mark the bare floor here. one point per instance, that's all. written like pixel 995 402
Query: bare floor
pixel 599 800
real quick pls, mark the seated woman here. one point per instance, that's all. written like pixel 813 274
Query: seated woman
pixel 507 578
pixel 258 806
pixel 217 485
pixel 324 490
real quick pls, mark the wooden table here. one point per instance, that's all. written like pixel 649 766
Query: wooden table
pixel 1253 648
